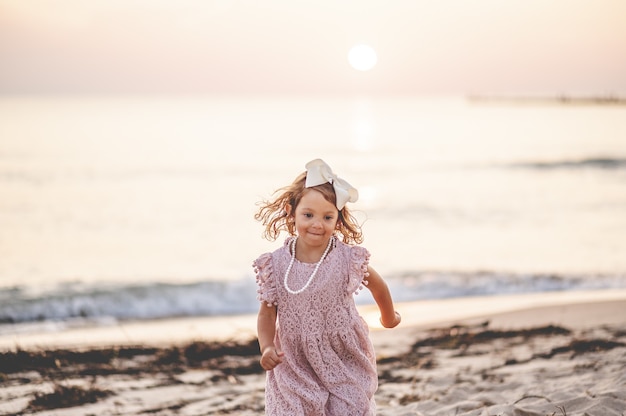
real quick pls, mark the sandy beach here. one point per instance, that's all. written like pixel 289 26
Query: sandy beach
pixel 561 353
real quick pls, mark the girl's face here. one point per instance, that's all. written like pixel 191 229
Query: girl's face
pixel 315 218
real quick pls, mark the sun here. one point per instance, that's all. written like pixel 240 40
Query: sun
pixel 362 57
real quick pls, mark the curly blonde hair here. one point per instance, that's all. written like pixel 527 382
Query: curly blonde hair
pixel 276 218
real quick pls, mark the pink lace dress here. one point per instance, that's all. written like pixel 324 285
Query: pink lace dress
pixel 329 366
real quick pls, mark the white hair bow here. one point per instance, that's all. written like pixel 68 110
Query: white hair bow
pixel 318 173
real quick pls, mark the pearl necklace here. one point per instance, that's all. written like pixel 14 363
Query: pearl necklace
pixel 293 258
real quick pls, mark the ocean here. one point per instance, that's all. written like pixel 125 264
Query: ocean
pixel 118 208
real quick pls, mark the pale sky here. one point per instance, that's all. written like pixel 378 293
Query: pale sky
pixel 300 47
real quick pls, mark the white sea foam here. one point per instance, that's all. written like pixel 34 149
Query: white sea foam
pixel 110 303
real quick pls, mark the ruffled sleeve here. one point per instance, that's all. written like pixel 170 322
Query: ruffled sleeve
pixel 266 292
pixel 357 276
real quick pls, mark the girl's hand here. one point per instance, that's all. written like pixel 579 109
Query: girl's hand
pixel 271 357
pixel 397 319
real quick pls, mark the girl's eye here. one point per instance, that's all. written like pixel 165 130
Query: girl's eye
pixel 308 215
pixel 329 217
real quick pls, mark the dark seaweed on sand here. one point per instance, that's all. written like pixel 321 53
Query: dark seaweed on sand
pixel 66 396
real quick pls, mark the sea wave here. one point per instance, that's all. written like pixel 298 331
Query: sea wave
pixel 137 302
pixel 106 303
pixel 438 285
pixel 585 163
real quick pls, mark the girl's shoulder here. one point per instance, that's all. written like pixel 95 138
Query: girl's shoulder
pixel 352 248
pixel 353 253
pixel 278 251
pixel 284 247
pixel 356 258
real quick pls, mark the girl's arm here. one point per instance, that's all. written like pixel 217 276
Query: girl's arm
pixel 266 329
pixel 388 316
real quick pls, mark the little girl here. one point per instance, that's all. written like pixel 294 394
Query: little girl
pixel 314 345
